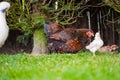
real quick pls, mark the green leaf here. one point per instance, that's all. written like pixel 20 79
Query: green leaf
pixel 39 20
pixel 23 25
pixel 118 21
pixel 34 1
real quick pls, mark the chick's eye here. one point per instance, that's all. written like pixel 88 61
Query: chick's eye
pixel 4 10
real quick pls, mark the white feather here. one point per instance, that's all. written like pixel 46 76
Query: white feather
pixel 95 44
pixel 4 29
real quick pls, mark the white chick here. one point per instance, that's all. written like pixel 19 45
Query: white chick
pixel 95 44
pixel 4 29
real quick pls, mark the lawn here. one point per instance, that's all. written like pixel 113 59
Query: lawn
pixel 81 66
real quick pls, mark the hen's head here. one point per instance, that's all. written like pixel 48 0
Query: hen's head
pixel 4 6
pixel 90 33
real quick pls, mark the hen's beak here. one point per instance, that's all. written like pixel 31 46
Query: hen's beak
pixel 92 34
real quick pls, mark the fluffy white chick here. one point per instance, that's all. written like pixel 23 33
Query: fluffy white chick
pixel 4 29
pixel 95 44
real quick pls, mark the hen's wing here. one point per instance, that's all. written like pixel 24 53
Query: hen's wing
pixel 64 35
pixel 70 46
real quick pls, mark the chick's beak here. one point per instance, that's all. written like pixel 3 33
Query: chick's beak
pixel 7 13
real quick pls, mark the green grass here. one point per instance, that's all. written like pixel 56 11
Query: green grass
pixel 81 66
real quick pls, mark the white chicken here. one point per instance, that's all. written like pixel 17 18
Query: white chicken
pixel 95 44
pixel 4 29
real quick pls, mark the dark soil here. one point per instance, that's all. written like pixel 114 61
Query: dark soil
pixel 12 46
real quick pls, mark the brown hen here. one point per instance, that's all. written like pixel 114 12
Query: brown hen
pixel 66 40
